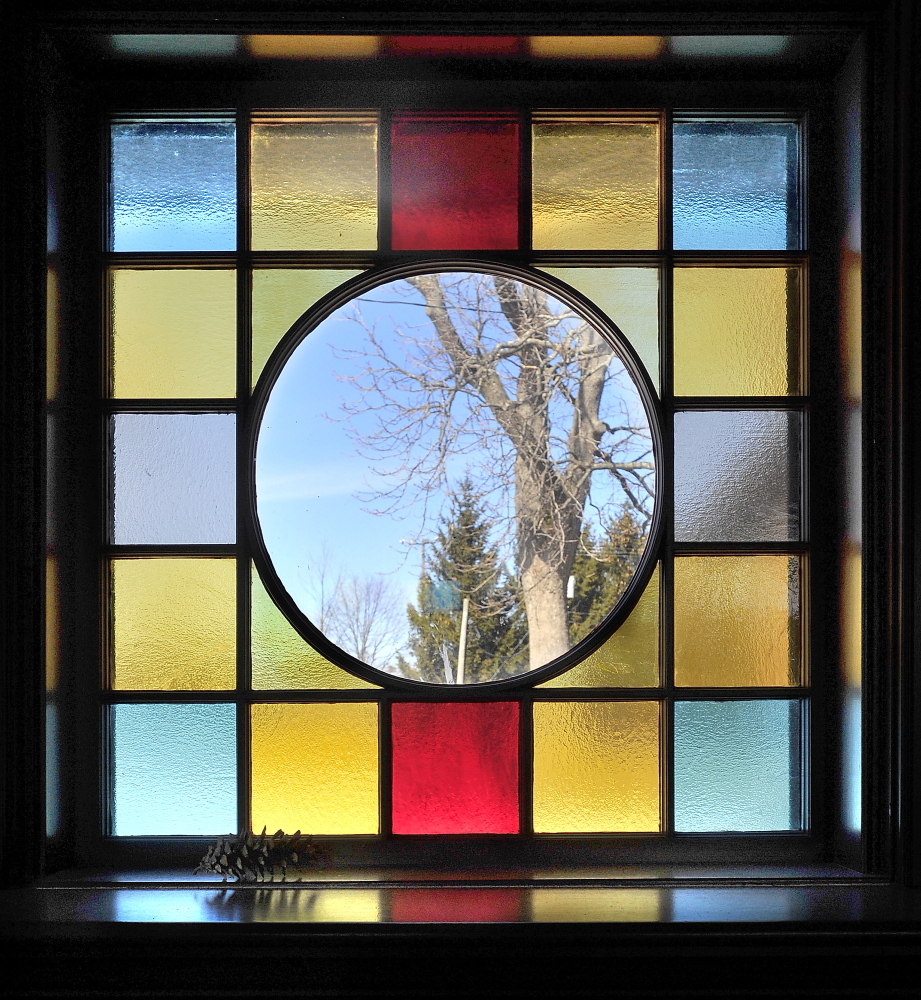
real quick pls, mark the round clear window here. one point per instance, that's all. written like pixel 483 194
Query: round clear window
pixel 454 476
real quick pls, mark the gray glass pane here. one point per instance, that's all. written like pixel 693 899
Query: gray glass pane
pixel 174 186
pixel 737 476
pixel 174 478
pixel 738 766
pixel 735 186
pixel 175 770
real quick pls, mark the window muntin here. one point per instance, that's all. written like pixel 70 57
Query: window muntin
pixel 664 740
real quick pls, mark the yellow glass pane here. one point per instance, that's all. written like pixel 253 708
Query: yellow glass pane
pixel 282 659
pixel 314 185
pixel 280 296
pixel 737 331
pixel 596 905
pixel 630 298
pixel 174 624
pixel 596 46
pixel 312 46
pixel 630 658
pixel 596 767
pixel 314 768
pixel 174 333
pixel 596 185
pixel 737 621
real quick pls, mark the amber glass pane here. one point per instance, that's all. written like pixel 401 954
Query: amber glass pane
pixel 314 185
pixel 315 768
pixel 282 659
pixel 174 333
pixel 630 658
pixel 280 295
pixel 737 621
pixel 174 624
pixel 596 767
pixel 596 46
pixel 596 185
pixel 630 298
pixel 454 183
pixel 737 331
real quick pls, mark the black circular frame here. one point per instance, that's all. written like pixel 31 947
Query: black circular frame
pixel 312 318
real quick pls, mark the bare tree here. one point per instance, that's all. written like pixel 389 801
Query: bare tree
pixel 367 619
pixel 524 392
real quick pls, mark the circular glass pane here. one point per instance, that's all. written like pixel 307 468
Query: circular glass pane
pixel 454 476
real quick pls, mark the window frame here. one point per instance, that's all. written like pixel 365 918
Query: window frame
pixel 887 637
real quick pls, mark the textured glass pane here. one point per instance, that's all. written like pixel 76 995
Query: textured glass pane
pixel 737 476
pixel 596 767
pixel 315 768
pixel 282 659
pixel 454 184
pixel 596 185
pixel 738 766
pixel 630 297
pixel 455 767
pixel 630 658
pixel 280 295
pixel 174 478
pixel 737 331
pixel 737 621
pixel 175 623
pixel 314 185
pixel 174 333
pixel 174 770
pixel 735 185
pixel 174 186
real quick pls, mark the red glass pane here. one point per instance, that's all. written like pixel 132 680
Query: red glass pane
pixel 455 767
pixel 455 183
pixel 442 906
pixel 453 45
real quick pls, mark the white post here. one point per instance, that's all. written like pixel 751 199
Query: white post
pixel 462 645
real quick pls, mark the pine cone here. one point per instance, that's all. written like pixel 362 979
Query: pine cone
pixel 245 857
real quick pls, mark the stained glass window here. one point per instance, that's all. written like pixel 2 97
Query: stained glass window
pixel 362 658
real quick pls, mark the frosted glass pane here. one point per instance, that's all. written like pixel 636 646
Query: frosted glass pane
pixel 175 623
pixel 737 620
pixel 174 186
pixel 737 476
pixel 738 766
pixel 282 659
pixel 596 185
pixel 314 185
pixel 630 658
pixel 315 768
pixel 630 298
pixel 596 767
pixel 735 185
pixel 174 478
pixel 737 331
pixel 175 770
pixel 174 333
pixel 280 295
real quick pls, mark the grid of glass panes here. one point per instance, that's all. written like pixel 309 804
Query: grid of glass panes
pixel 691 717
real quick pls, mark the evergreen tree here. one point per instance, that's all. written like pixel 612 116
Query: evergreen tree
pixel 462 565
pixel 602 570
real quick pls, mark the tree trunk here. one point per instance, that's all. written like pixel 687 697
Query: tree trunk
pixel 545 605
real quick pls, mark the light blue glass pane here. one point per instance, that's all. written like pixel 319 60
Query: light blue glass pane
pixel 174 186
pixel 174 478
pixel 737 476
pixel 735 186
pixel 738 766
pixel 175 770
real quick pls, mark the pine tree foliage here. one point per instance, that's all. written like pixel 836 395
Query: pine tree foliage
pixel 463 564
pixel 602 569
